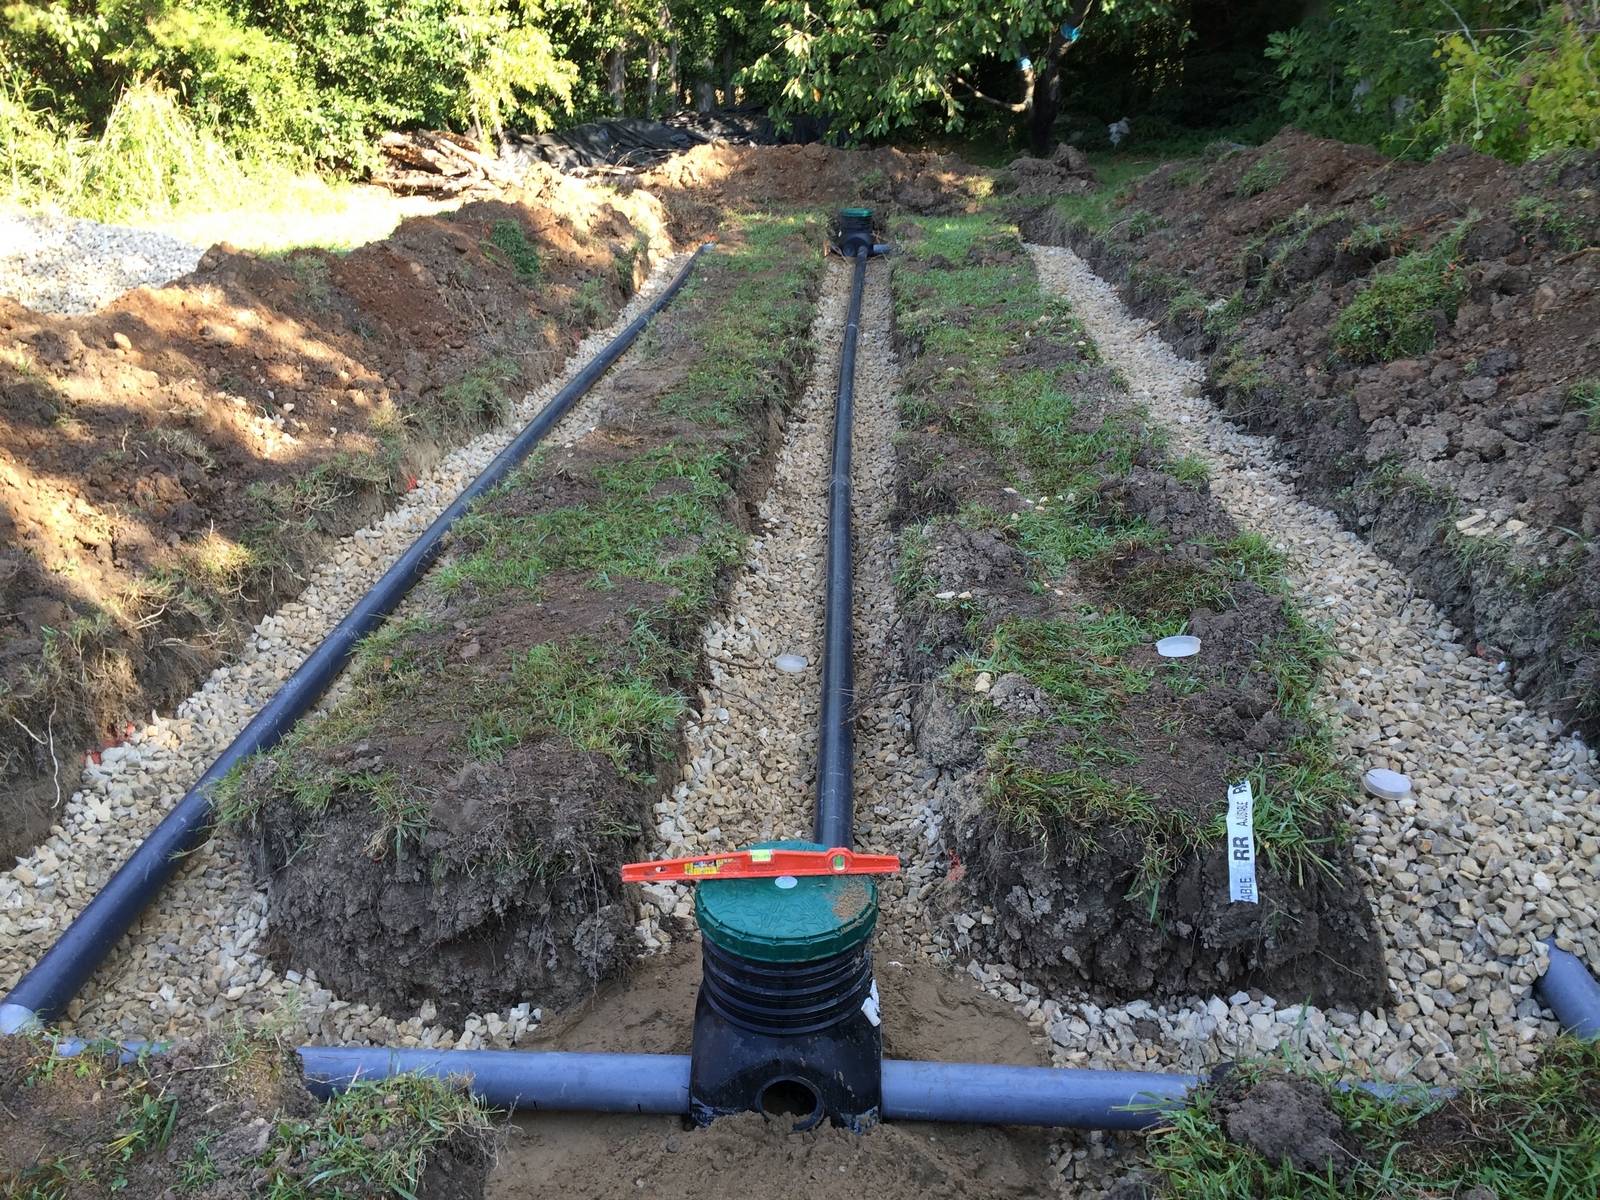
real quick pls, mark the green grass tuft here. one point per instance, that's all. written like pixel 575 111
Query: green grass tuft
pixel 1394 316
pixel 1514 1137
pixel 508 243
pixel 1266 172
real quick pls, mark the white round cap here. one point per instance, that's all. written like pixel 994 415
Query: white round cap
pixel 1386 784
pixel 1178 646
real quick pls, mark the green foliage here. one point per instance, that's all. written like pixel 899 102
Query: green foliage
pixel 372 1138
pixel 1520 93
pixel 507 240
pixel 887 67
pixel 1533 1137
pixel 1537 217
pixel 1394 316
pixel 1266 172
pixel 1585 397
pixel 1512 78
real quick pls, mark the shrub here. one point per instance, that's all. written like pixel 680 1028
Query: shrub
pixel 1520 94
pixel 1394 316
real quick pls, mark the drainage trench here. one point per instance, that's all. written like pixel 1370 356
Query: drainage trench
pixel 750 774
pixel 196 955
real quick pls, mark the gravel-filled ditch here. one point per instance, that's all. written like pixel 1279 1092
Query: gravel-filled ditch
pixel 451 833
pixel 199 955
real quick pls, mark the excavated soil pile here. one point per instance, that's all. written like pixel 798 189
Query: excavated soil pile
pixel 171 464
pixel 927 1014
pixel 219 1118
pixel 451 833
pixel 698 187
pixel 1422 338
pixel 1083 778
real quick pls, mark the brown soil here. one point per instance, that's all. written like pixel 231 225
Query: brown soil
pixel 170 465
pixel 196 1120
pixel 1071 902
pixel 502 887
pixel 1403 450
pixel 700 186
pixel 928 1014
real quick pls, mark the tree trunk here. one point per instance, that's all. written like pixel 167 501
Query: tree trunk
pixel 653 78
pixel 727 76
pixel 618 79
pixel 1045 102
pixel 673 85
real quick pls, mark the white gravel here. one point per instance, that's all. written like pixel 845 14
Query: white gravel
pixel 195 958
pixel 69 265
pixel 1497 847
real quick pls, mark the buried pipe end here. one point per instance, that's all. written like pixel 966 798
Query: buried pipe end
pixel 1571 992
pixel 18 1018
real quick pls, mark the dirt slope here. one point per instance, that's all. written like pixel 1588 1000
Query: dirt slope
pixel 1453 414
pixel 170 464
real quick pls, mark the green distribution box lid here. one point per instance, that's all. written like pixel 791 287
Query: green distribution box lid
pixel 790 919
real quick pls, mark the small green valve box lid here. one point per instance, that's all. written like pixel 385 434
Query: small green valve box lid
pixel 789 919
pixel 854 212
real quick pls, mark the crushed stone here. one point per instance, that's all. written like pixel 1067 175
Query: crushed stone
pixel 197 959
pixel 68 265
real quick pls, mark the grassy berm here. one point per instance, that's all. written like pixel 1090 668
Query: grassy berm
pixel 1047 542
pixel 451 832
pixel 1261 1131
pixel 1419 337
pixel 173 465
pixel 224 1117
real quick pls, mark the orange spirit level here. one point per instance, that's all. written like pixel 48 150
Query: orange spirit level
pixel 761 864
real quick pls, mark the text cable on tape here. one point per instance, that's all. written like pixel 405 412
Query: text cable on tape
pixel 1242 843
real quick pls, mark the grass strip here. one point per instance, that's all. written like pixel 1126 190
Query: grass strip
pixel 967 299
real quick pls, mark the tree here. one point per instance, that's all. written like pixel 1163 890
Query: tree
pixel 882 68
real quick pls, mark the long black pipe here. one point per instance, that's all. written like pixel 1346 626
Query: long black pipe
pixel 835 819
pixel 42 995
pixel 967 1093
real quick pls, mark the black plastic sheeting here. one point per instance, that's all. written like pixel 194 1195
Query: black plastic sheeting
pixel 637 142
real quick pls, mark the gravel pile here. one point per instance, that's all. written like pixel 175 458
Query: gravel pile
pixel 68 265
pixel 197 956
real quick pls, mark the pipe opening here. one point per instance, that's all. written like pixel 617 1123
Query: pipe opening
pixel 788 1097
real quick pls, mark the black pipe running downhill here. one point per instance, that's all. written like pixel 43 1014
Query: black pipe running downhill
pixel 835 818
pixel 42 995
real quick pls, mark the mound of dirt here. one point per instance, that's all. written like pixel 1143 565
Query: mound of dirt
pixel 1459 428
pixel 452 833
pixel 171 464
pixel 705 183
pixel 1085 889
pixel 927 1014
pixel 1065 173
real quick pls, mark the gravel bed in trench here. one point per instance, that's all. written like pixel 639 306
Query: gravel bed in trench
pixel 1497 847
pixel 1495 850
pixel 749 770
pixel 69 265
pixel 196 958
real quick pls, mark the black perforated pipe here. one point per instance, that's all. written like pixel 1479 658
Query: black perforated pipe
pixel 835 819
pixel 43 993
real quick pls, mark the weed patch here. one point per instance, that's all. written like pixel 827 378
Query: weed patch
pixel 1394 317
pixel 1266 172
pixel 1529 1137
pixel 508 243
